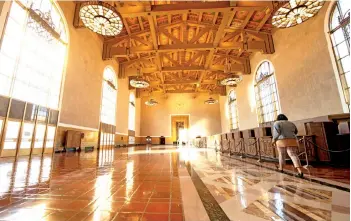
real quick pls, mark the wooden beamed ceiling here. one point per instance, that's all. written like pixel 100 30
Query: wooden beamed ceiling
pixel 182 47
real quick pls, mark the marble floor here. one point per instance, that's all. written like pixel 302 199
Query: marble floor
pixel 161 183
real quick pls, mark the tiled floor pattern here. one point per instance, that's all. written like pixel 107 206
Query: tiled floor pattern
pixel 321 172
pixel 144 184
pixel 109 186
pixel 249 192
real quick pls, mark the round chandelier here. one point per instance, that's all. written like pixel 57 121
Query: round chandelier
pixel 232 80
pixel 101 18
pixel 211 101
pixel 151 102
pixel 295 12
pixel 139 82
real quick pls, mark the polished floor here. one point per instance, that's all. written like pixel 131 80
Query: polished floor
pixel 159 183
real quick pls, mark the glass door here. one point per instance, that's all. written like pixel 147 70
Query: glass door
pixel 11 138
pixel 26 139
pixel 50 136
pixel 12 128
pixel 39 139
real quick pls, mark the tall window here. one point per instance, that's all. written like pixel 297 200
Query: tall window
pixel 266 93
pixel 131 120
pixel 340 36
pixel 109 97
pixel 32 53
pixel 233 110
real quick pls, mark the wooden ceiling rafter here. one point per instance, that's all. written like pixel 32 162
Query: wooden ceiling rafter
pixel 189 40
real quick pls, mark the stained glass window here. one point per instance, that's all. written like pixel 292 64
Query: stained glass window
pixel 233 110
pixel 109 97
pixel 266 93
pixel 131 120
pixel 340 36
pixel 32 53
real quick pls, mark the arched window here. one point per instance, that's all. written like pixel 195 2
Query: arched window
pixel 32 53
pixel 339 29
pixel 109 97
pixel 233 110
pixel 131 120
pixel 266 93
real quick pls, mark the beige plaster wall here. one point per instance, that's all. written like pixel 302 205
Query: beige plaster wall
pixel 81 97
pixel 122 106
pixel 305 77
pixel 225 124
pixel 204 119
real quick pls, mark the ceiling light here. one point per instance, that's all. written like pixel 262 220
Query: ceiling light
pixel 295 12
pixel 151 102
pixel 101 18
pixel 211 101
pixel 139 82
pixel 232 80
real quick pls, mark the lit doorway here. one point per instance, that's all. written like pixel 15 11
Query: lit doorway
pixel 180 125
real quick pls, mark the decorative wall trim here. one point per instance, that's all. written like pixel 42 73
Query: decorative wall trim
pixel 154 136
pixel 77 127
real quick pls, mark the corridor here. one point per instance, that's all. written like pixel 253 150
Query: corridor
pixel 160 183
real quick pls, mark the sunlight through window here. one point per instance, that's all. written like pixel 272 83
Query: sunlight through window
pixel 266 93
pixel 32 53
pixel 109 97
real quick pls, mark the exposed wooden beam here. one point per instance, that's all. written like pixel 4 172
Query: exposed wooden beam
pixel 199 35
pixel 170 36
pixel 171 59
pixel 153 31
pixel 195 57
pixel 264 20
pixel 247 19
pixel 146 43
pixel 249 46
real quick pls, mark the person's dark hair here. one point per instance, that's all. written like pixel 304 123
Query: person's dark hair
pixel 282 117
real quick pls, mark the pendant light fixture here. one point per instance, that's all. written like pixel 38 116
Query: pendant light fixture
pixel 139 82
pixel 295 12
pixel 232 79
pixel 101 17
pixel 151 102
pixel 211 101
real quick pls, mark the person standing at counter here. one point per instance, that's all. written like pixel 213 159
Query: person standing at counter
pixel 284 138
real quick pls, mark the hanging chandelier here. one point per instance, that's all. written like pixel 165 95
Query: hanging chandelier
pixel 101 18
pixel 295 12
pixel 232 79
pixel 151 102
pixel 211 101
pixel 139 82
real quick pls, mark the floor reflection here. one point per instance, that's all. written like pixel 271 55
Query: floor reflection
pixel 144 183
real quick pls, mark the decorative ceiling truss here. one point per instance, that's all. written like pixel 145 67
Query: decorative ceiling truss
pixel 182 47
